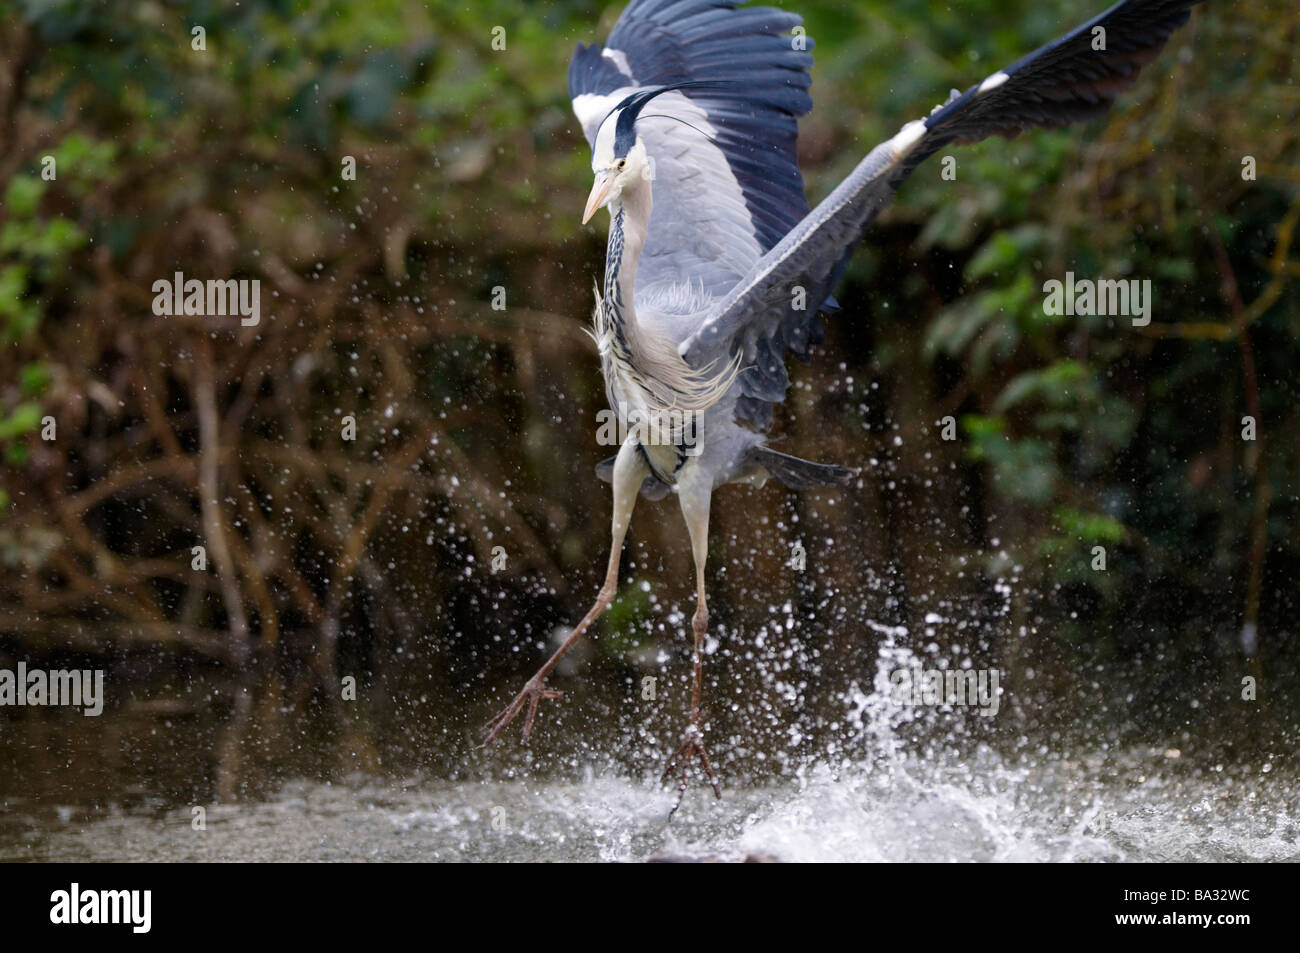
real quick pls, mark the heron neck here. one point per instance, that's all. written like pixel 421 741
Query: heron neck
pixel 629 218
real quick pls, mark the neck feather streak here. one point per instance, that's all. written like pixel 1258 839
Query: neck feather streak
pixel 641 365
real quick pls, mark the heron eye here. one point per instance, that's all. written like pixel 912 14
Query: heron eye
pixel 620 164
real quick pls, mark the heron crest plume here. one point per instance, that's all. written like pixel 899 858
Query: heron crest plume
pixel 629 110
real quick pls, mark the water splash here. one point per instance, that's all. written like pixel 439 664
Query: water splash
pixel 873 795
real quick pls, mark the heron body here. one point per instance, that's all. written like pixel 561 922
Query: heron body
pixel 717 268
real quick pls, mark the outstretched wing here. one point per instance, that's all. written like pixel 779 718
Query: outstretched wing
pixel 726 184
pixel 1075 77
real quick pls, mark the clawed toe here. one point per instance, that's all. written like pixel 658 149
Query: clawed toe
pixel 532 694
pixel 692 747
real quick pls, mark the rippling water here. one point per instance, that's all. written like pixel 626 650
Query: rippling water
pixel 1137 807
pixel 874 793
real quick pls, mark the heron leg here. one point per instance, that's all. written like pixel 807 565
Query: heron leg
pixel 629 470
pixel 695 496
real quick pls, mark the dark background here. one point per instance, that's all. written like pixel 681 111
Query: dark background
pixel 476 428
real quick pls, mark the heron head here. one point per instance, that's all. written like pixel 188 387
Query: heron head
pixel 616 173
pixel 618 156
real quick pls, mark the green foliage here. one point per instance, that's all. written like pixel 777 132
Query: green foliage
pixel 1088 409
pixel 33 250
pixel 624 620
pixel 19 421
pixel 1088 527
pixel 1022 469
pixel 1075 431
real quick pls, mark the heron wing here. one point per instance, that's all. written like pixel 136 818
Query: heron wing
pixel 1065 81
pixel 726 184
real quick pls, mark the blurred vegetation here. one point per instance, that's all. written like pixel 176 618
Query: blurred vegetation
pixel 475 427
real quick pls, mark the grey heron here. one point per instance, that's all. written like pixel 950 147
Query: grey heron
pixel 716 267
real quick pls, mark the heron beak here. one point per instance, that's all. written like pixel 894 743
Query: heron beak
pixel 599 192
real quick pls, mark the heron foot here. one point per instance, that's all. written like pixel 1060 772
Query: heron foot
pixel 692 748
pixel 533 693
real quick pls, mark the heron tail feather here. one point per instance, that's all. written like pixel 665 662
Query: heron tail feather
pixel 801 474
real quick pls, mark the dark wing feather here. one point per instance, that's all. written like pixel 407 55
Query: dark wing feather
pixel 1063 82
pixel 718 205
